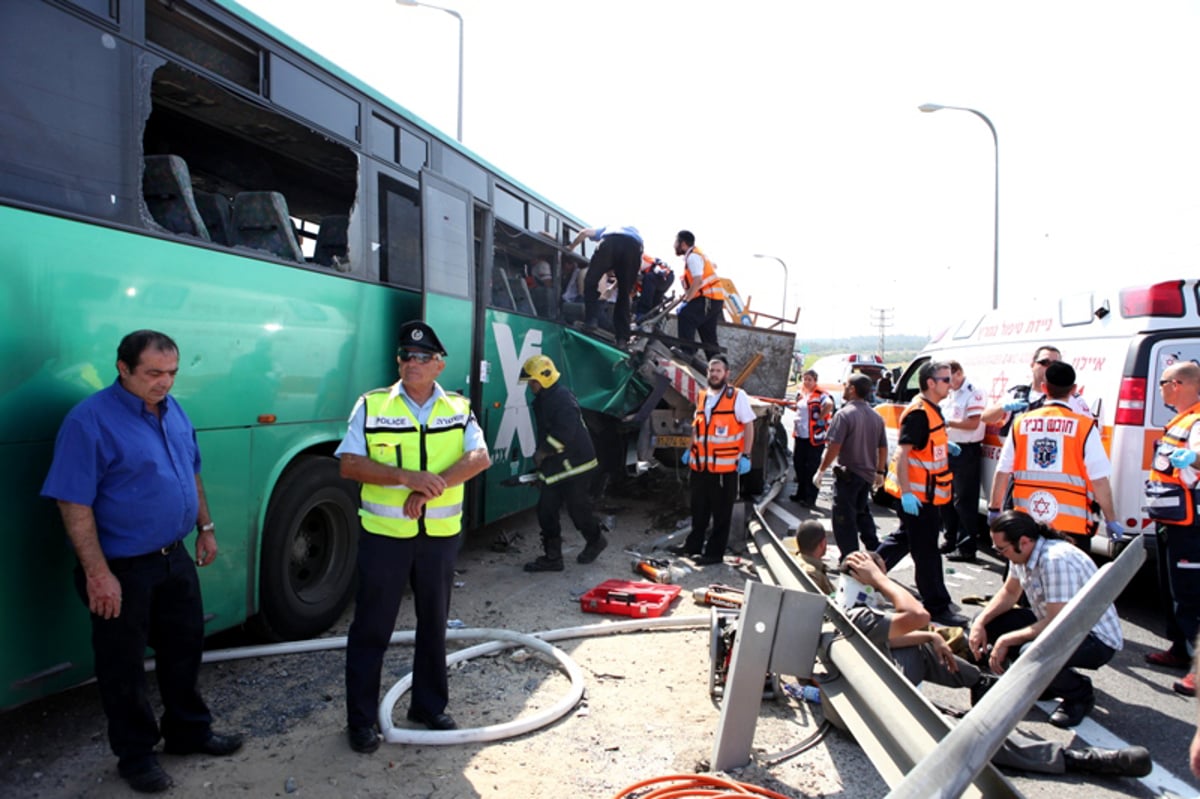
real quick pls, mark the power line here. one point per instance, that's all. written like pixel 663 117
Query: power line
pixel 882 319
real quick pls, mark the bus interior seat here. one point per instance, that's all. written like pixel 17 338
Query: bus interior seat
pixel 332 239
pixel 520 293
pixel 502 296
pixel 261 221
pixel 217 213
pixel 543 301
pixel 167 189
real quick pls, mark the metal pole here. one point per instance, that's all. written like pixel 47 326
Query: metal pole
pixel 783 313
pixel 458 17
pixel 930 108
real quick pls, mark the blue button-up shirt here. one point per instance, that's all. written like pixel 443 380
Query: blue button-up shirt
pixel 618 230
pixel 136 471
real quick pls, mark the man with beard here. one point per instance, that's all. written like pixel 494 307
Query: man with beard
pixel 722 438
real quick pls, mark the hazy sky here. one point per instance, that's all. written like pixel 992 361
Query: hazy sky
pixel 791 129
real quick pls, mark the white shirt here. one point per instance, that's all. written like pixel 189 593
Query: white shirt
pixel 1095 459
pixel 741 404
pixel 959 406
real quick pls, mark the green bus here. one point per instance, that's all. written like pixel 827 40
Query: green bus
pixel 186 167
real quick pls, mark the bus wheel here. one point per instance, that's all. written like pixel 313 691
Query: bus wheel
pixel 309 550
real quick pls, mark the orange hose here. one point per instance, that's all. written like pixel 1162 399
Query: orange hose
pixel 696 785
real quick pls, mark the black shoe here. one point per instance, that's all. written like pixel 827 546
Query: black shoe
pixel 363 739
pixel 1072 711
pixel 434 721
pixel 544 564
pixel 986 681
pixel 796 498
pixel 708 560
pixel 681 549
pixel 948 618
pixel 948 547
pixel 962 557
pixel 592 550
pixel 151 779
pixel 1132 761
pixel 215 744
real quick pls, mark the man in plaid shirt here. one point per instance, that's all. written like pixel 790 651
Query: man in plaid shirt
pixel 1050 570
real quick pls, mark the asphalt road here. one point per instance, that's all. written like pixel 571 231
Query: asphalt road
pixel 1135 701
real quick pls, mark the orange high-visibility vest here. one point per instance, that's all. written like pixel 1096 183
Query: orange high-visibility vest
pixel 814 415
pixel 1049 476
pixel 710 285
pixel 1168 498
pixel 717 440
pixel 927 472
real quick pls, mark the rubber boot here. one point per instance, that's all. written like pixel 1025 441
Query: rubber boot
pixel 593 549
pixel 552 560
pixel 1132 761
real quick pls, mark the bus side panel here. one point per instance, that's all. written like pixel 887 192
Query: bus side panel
pixel 225 471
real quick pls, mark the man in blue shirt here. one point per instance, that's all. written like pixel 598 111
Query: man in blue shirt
pixel 620 252
pixel 126 475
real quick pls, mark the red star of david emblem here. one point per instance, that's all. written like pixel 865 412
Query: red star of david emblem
pixel 999 383
pixel 1041 507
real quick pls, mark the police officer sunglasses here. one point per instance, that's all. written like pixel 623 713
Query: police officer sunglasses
pixel 419 357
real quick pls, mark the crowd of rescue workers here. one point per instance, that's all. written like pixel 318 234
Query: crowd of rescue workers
pixel 126 477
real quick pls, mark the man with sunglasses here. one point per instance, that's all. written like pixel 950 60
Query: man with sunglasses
pixel 919 476
pixel 412 446
pixel 1032 396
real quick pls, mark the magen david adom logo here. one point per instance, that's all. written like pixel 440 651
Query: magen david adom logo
pixel 1043 507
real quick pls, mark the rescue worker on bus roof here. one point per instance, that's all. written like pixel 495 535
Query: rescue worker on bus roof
pixel 703 299
pixel 1057 464
pixel 566 459
pixel 919 476
pixel 1171 497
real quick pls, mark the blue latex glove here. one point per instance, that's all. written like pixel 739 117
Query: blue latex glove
pixel 954 448
pixel 743 464
pixel 687 457
pixel 910 503
pixel 1115 531
pixel 1015 405
pixel 679 308
pixel 1182 458
pixel 993 515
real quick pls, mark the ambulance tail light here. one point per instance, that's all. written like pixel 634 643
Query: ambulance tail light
pixel 1131 402
pixel 1160 299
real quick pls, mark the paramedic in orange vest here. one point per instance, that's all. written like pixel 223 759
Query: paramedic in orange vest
pixel 919 475
pixel 412 446
pixel 814 408
pixel 1057 464
pixel 722 438
pixel 1171 502
pixel 703 299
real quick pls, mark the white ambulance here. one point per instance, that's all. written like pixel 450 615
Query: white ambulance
pixel 1119 341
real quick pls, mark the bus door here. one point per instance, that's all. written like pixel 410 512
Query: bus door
pixel 448 244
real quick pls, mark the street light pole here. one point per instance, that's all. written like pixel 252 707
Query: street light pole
pixel 782 315
pixel 929 108
pixel 457 16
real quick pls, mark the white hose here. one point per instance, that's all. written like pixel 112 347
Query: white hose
pixel 498 640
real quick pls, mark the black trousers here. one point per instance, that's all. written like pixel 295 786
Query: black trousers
pixel 960 518
pixel 701 315
pixel 919 535
pixel 622 255
pixel 1068 683
pixel 713 495
pixel 386 566
pixel 806 459
pixel 160 608
pixel 1178 559
pixel 852 513
pixel 576 494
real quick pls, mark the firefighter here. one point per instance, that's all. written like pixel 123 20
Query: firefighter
pixel 564 458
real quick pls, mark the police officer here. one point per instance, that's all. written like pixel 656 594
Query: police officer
pixel 412 446
pixel 564 455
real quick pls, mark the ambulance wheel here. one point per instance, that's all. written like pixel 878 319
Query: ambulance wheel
pixel 309 550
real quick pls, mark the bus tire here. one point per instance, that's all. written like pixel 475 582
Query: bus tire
pixel 309 550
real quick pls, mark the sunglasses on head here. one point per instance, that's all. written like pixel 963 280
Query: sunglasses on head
pixel 419 357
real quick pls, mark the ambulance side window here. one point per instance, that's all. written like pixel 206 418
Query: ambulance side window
pixel 910 384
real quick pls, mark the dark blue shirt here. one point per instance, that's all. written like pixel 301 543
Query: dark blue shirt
pixel 136 471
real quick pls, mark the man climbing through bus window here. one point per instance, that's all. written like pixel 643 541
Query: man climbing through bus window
pixel 412 446
pixel 620 252
pixel 1057 464
pixel 722 439
pixel 703 298
pixel 1171 501
pixel 565 459
pixel 919 476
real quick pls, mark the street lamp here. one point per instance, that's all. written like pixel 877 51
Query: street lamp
pixel 782 315
pixel 929 108
pixel 458 17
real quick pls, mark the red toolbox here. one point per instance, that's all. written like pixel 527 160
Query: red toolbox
pixel 625 598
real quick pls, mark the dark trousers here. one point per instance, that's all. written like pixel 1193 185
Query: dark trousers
pixel 160 608
pixel 961 517
pixel 622 255
pixel 1178 558
pixel 385 567
pixel 713 495
pixel 806 459
pixel 701 315
pixel 1068 684
pixel 851 512
pixel 654 288
pixel 576 494
pixel 919 535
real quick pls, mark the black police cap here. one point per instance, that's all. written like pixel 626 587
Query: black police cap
pixel 417 335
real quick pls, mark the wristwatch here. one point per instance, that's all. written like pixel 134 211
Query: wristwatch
pixel 207 528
